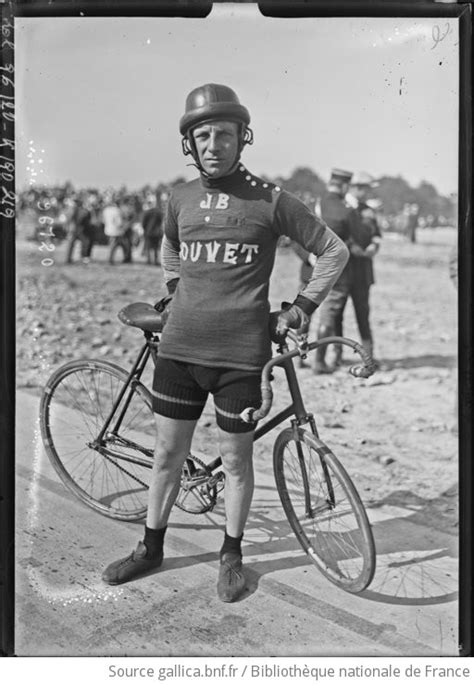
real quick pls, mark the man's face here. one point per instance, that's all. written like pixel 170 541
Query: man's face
pixel 360 191
pixel 217 145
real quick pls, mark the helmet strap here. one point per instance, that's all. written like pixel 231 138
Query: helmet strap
pixel 189 148
pixel 247 136
pixel 185 145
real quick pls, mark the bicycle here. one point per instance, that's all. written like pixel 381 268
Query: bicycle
pixel 98 430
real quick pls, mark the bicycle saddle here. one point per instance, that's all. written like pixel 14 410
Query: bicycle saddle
pixel 142 315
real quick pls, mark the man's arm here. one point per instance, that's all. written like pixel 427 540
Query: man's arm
pixel 294 219
pixel 331 257
pixel 170 248
pixel 170 262
pixel 374 246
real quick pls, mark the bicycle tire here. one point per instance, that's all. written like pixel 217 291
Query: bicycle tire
pixel 112 478
pixel 336 535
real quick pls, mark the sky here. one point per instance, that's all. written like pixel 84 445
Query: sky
pixel 98 100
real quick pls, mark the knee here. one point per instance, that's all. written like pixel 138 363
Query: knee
pixel 237 466
pixel 240 474
pixel 169 456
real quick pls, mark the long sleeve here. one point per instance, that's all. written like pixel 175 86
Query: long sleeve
pixel 170 246
pixel 294 219
pixel 170 260
pixel 331 259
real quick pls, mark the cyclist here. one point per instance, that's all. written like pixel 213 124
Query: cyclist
pixel 219 245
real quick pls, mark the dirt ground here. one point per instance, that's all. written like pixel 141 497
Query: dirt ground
pixel 395 433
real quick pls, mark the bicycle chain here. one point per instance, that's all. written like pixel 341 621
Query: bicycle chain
pixel 124 470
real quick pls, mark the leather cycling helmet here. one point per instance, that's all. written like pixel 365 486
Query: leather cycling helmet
pixel 210 102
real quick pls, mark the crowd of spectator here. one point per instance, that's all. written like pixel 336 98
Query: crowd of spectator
pixel 128 222
pixel 131 222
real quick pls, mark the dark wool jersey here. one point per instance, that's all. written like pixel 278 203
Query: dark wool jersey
pixel 220 240
pixel 364 231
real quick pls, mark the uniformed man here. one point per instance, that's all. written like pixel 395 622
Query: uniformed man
pixel 365 244
pixel 341 218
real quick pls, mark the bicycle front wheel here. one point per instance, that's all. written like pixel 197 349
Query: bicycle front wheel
pixel 112 474
pixel 324 509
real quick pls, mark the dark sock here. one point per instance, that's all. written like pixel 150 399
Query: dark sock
pixel 231 544
pixel 153 541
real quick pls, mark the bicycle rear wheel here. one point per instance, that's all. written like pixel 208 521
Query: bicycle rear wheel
pixel 112 475
pixel 324 509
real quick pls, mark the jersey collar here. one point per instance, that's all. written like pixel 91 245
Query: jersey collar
pixel 225 182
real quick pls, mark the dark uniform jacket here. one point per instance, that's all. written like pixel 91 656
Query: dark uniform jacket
pixel 364 230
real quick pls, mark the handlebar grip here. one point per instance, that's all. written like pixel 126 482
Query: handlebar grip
pixel 251 414
pixel 247 414
pixel 361 371
pixel 364 370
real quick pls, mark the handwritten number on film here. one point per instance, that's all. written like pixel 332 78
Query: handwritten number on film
pixel 439 35
pixel 7 146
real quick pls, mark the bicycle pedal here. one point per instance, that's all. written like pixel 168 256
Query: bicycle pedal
pixel 216 483
pixel 195 481
pixel 217 478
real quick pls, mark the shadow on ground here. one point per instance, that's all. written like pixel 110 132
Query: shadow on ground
pixel 437 361
pixel 415 538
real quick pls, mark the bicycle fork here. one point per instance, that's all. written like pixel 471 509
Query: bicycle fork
pixel 302 417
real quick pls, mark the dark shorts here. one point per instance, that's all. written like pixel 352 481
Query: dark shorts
pixel 180 391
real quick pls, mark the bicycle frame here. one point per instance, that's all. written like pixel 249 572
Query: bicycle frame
pixel 132 379
pixel 296 408
pixel 109 469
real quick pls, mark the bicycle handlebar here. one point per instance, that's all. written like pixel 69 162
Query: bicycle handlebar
pixel 254 414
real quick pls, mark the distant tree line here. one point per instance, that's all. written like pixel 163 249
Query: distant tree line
pixel 393 193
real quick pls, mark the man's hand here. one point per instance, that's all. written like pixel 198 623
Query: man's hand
pixel 371 250
pixel 357 250
pixel 163 307
pixel 291 316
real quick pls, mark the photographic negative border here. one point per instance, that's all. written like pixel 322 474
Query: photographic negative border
pixel 7 327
